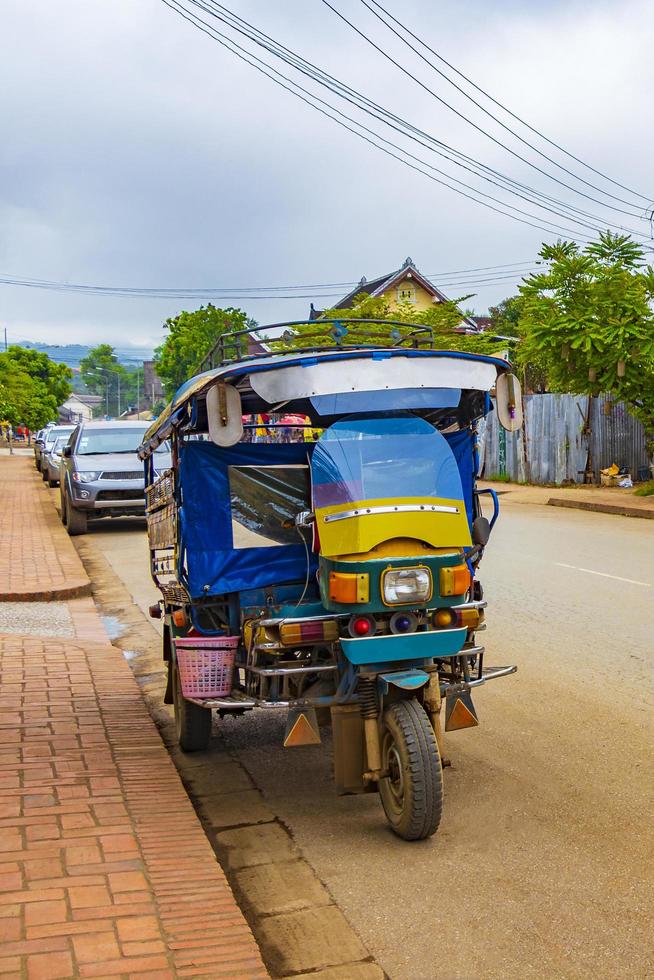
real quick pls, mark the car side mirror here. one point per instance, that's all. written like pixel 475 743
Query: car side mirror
pixel 481 530
pixel 68 452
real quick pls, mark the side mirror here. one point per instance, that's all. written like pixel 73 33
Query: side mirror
pixel 224 414
pixel 509 402
pixel 68 452
pixel 481 530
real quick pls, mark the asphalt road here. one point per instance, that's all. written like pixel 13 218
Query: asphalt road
pixel 543 866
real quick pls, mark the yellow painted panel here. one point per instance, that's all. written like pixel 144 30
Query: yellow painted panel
pixel 362 533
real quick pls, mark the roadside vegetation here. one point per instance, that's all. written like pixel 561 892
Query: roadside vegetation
pixel 31 387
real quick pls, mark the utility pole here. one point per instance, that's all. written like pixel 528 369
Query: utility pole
pixel 118 376
pixel 6 345
pixel 138 404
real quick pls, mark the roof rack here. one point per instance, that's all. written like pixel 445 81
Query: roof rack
pixel 234 345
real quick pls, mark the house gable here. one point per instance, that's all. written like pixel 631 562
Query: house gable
pixel 404 285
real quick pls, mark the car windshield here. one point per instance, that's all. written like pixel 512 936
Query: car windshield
pixel 380 458
pixel 113 439
pixel 52 435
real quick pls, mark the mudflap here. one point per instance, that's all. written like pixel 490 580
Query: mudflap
pixel 350 760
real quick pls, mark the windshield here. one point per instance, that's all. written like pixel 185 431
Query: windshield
pixel 380 458
pixel 112 439
pixel 52 434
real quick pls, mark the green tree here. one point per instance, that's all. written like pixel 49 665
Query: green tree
pixel 32 387
pixel 190 338
pixel 436 327
pixel 588 319
pixel 103 374
pixel 506 321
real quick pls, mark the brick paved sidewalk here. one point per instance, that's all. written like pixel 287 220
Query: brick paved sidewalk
pixel 37 560
pixel 104 867
pixel 105 870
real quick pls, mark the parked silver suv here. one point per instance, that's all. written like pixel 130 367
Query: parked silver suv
pixel 44 442
pixel 101 475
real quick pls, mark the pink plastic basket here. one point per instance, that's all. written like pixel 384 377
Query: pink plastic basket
pixel 206 665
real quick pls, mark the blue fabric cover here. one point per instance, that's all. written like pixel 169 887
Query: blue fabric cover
pixel 462 445
pixel 207 551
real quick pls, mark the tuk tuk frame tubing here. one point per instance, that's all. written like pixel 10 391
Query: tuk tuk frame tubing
pixel 233 339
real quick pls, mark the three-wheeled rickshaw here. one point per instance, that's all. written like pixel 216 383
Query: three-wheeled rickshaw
pixel 336 578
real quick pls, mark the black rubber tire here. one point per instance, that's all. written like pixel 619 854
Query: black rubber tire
pixel 192 723
pixel 412 796
pixel 62 507
pixel 53 483
pixel 76 520
pixel 44 475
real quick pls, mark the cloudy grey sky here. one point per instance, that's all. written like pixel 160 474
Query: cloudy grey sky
pixel 136 151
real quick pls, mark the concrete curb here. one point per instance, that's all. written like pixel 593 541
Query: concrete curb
pixel 618 510
pixel 51 595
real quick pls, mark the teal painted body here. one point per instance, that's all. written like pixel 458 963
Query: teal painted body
pixel 375 567
pixel 406 646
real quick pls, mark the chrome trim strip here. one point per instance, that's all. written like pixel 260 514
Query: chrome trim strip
pixel 118 504
pixel 399 508
pixel 300 619
pixel 282 671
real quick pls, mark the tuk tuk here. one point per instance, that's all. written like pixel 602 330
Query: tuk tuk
pixel 334 579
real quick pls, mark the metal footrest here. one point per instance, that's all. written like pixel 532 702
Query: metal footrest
pixel 230 702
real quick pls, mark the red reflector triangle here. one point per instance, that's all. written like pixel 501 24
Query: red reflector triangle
pixel 460 713
pixel 301 732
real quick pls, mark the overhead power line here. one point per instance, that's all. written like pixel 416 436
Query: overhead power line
pixel 501 105
pixel 251 59
pixel 363 103
pixel 231 294
pixel 471 122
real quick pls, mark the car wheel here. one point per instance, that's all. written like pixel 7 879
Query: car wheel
pixel 76 520
pixel 62 507
pixel 53 483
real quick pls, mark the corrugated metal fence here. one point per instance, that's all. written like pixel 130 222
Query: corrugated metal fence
pixel 559 433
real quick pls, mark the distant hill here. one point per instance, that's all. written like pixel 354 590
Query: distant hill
pixel 72 354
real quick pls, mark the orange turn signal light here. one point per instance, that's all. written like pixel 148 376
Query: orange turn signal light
pixel 454 580
pixel 180 618
pixel 347 587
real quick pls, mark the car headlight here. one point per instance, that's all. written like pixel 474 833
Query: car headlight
pixel 86 476
pixel 405 585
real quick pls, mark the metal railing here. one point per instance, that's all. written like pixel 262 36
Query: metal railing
pixel 234 345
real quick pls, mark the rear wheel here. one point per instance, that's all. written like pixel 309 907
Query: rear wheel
pixel 53 483
pixel 192 723
pixel 412 793
pixel 76 520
